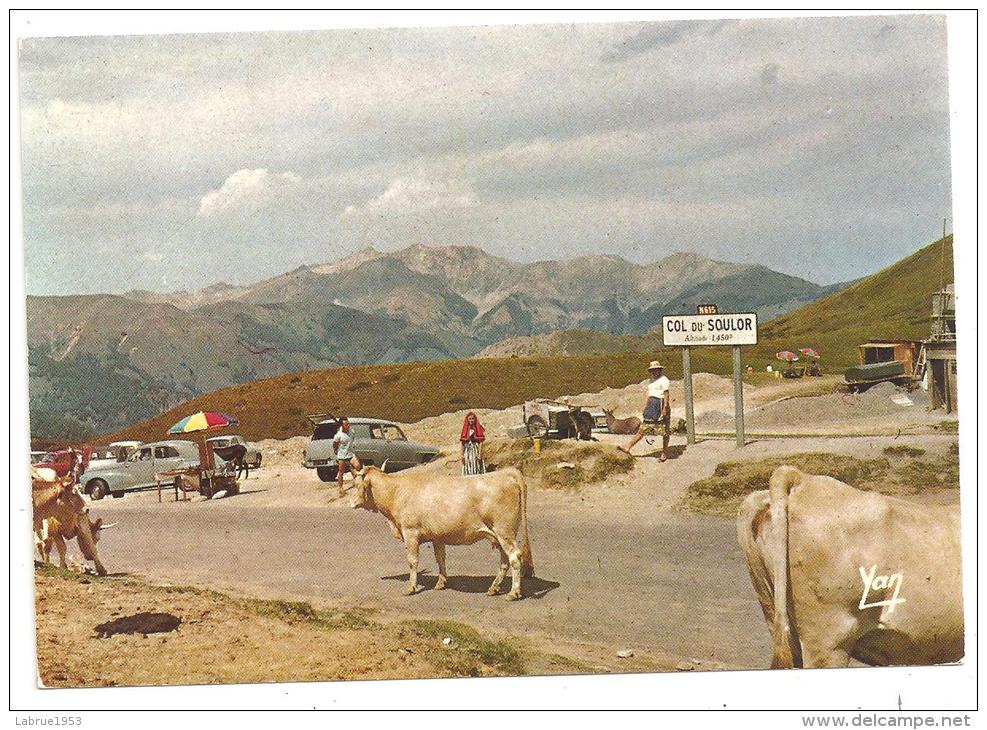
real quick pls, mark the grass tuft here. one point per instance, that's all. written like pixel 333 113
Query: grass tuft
pixel 468 649
pixel 591 461
pixel 722 493
pixel 910 451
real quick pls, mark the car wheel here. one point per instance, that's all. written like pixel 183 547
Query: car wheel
pixel 326 473
pixel 117 495
pixel 98 489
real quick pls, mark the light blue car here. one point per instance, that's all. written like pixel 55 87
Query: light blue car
pixel 137 472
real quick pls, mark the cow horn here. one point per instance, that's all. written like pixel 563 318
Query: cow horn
pixel 383 467
pixel 107 527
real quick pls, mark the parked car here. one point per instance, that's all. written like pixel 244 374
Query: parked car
pixel 374 442
pixel 113 453
pixel 65 460
pixel 253 457
pixel 138 471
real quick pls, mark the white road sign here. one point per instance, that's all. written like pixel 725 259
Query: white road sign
pixel 688 330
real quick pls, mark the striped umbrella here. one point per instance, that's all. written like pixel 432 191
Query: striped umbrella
pixel 203 421
pixel 809 352
pixel 786 356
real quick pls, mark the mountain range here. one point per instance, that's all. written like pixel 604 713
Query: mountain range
pixel 102 361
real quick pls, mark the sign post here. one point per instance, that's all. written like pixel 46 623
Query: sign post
pixel 738 395
pixel 690 420
pixel 711 329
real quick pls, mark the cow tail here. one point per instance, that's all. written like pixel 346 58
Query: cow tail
pixel 527 562
pixel 787 650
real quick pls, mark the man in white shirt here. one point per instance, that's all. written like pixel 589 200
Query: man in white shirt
pixel 346 458
pixel 657 411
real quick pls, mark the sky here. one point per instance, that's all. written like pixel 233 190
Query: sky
pixel 818 147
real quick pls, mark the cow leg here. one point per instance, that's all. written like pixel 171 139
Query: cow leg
pixel 826 637
pixel 440 558
pixel 412 542
pixel 510 548
pixel 514 556
pixel 41 541
pixel 60 547
pixel 498 581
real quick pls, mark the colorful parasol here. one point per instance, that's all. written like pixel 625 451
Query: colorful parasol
pixel 203 421
pixel 809 352
pixel 786 356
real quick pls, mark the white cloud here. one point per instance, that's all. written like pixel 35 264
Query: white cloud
pixel 246 190
pixel 407 195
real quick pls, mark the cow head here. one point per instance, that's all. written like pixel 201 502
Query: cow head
pixel 363 493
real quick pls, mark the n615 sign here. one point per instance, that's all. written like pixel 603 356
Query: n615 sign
pixel 689 330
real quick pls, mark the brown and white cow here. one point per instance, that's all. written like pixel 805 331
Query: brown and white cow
pixel 60 514
pixel 842 573
pixel 452 510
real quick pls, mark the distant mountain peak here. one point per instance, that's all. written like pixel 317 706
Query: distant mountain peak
pixel 350 262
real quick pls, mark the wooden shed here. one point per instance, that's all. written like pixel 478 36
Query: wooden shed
pixel 904 351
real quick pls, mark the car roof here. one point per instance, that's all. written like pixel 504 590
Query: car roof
pixel 355 420
pixel 170 442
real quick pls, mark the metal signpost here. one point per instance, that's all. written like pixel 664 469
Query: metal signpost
pixel 709 328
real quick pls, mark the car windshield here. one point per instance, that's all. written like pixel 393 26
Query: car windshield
pixel 220 442
pixel 393 433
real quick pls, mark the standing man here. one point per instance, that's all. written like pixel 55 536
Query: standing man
pixel 345 456
pixel 657 411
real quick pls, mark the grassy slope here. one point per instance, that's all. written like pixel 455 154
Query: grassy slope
pixel 893 303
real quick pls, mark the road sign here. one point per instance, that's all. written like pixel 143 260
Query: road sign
pixel 690 330
pixel 710 329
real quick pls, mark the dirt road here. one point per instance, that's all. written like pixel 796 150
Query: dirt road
pixel 672 583
pixel 616 567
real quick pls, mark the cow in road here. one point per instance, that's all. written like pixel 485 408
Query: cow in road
pixel 452 510
pixel 842 573
pixel 60 514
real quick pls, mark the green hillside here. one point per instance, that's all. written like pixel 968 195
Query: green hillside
pixel 893 303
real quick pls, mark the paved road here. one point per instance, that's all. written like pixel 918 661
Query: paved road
pixel 671 583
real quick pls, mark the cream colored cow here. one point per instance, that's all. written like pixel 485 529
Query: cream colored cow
pixel 452 510
pixel 842 573
pixel 60 514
